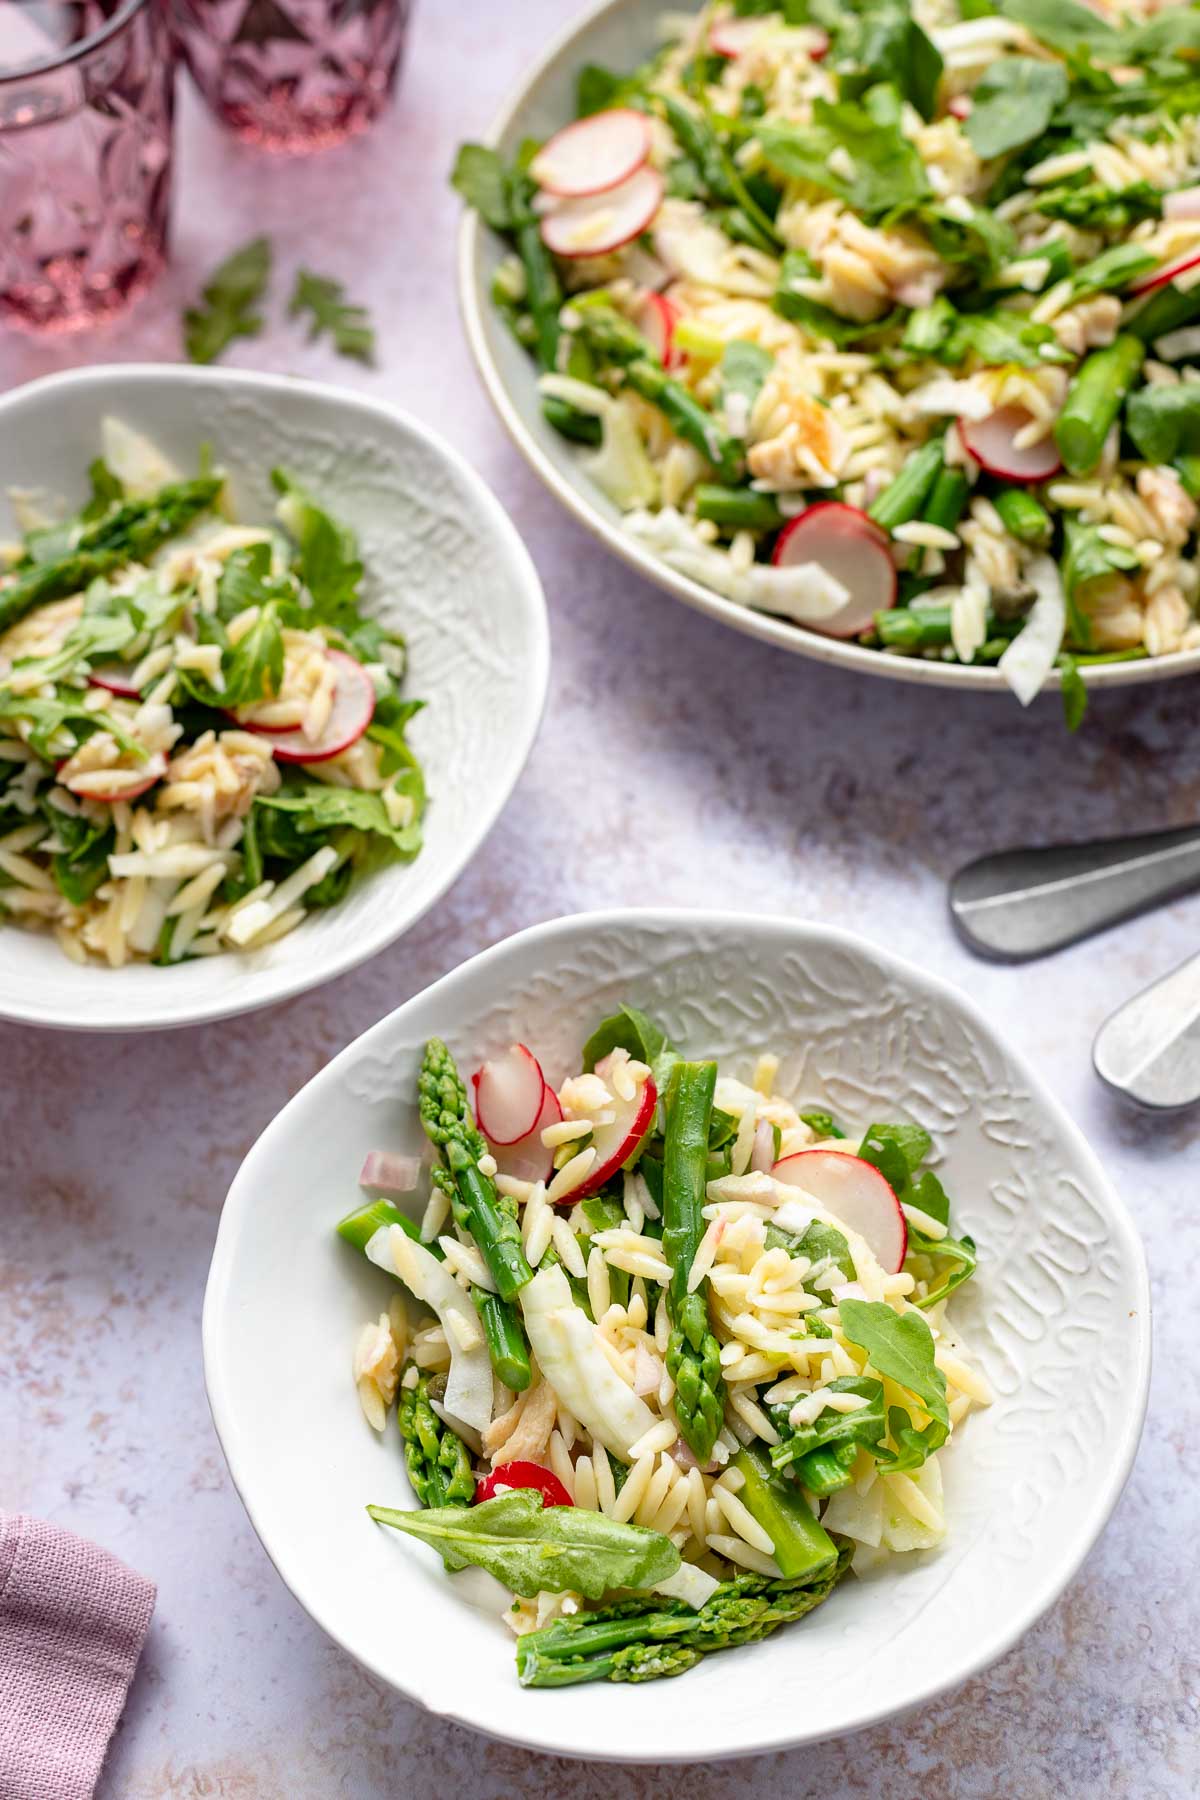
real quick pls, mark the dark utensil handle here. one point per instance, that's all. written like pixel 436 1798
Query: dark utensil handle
pixel 1025 903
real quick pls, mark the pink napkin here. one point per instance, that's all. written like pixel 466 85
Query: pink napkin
pixel 72 1623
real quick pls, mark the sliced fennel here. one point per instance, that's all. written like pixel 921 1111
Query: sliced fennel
pixel 620 468
pixel 1030 657
pixel 469 1385
pixel 567 1347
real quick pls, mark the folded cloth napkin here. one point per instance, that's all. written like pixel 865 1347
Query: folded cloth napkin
pixel 72 1623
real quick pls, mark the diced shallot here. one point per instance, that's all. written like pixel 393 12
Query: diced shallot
pixel 386 1174
pixel 1184 203
pixel 762 1156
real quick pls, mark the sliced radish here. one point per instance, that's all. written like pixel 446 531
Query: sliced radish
pixel 1183 203
pixel 1160 277
pixel 595 224
pixel 529 1159
pixel 820 49
pixel 349 716
pixel 960 106
pixel 153 770
pixel 508 1095
pixel 593 155
pixel 116 680
pixel 656 319
pixel 616 1143
pixel 855 1193
pixel 733 37
pixel 992 443
pixel 386 1175
pixel 853 550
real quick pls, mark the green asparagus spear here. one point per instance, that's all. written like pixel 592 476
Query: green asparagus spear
pixel 1166 310
pixel 740 509
pixel 439 1463
pixel 693 1354
pixel 1093 401
pixel 449 1125
pixel 928 627
pixel 1188 470
pixel 128 533
pixel 947 499
pixel 506 1341
pixel 905 496
pixel 637 1640
pixel 1024 515
pixel 803 1548
pixel 612 339
pixel 360 1226
pixel 581 427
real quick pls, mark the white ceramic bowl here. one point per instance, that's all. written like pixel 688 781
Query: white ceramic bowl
pixel 1058 1314
pixel 444 565
pixel 619 34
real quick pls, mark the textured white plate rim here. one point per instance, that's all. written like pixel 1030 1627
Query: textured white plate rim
pixel 795 639
pixel 219 1378
pixel 297 979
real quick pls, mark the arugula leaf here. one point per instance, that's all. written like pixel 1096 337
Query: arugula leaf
pixel 818 1242
pixel 743 368
pixel 884 43
pixel 1172 33
pixel 1064 25
pixel 887 171
pixel 981 239
pixel 1088 557
pixel 327 552
pixel 897 1151
pixel 626 1029
pixel 1014 103
pixel 1115 267
pixel 325 301
pixel 534 1549
pixel 1164 421
pixel 821 1454
pixel 483 180
pixel 958 1252
pixel 1003 337
pixel 82 863
pixel 900 1346
pixel 232 291
pixel 1074 693
pixel 46 719
pixel 316 809
pixel 790 302
pixel 253 667
pixel 94 637
pixel 823 1124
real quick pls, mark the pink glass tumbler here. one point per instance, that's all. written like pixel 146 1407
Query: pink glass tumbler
pixel 294 75
pixel 86 89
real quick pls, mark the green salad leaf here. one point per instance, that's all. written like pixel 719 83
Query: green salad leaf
pixel 1064 25
pixel 227 309
pixel 314 809
pixel 534 1549
pixel 324 300
pixel 887 173
pixel 822 1454
pixel 626 1029
pixel 900 1347
pixel 742 370
pixel 481 176
pixel 1014 103
pixel 882 42
pixel 1164 420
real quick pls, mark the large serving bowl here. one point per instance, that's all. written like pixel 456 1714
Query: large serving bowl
pixel 1058 1318
pixel 443 565
pixel 619 34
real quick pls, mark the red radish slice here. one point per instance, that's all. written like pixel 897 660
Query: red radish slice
pixel 508 1095
pixel 856 1193
pixel 820 50
pixel 528 1159
pixel 153 770
pixel 1161 277
pixel 732 37
pixel 656 319
pixel 349 716
pixel 960 106
pixel 593 155
pixel 386 1175
pixel 518 1474
pixel 116 680
pixel 850 547
pixel 596 224
pixel 992 443
pixel 616 1143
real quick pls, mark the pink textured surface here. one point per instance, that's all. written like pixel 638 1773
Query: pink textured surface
pixel 72 1623
pixel 729 779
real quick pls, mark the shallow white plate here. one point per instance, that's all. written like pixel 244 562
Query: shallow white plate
pixel 444 565
pixel 620 34
pixel 1058 1316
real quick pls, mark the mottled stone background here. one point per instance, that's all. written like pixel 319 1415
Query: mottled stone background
pixel 678 763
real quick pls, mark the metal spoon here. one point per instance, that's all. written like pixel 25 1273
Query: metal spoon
pixel 1025 903
pixel 1149 1050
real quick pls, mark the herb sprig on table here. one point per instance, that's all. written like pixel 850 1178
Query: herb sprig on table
pixel 227 308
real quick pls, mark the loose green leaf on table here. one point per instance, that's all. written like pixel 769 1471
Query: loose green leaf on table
pixel 534 1549
pixel 324 300
pixel 228 302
